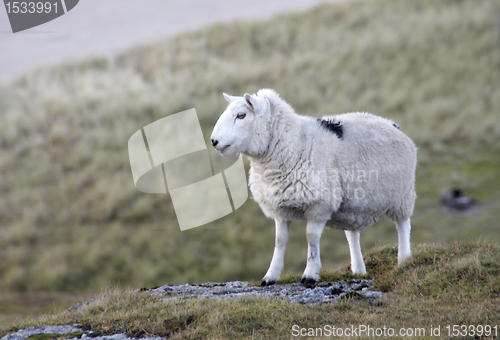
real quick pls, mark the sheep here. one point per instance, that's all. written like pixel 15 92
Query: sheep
pixel 342 171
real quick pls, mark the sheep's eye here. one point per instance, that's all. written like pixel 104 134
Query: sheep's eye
pixel 241 115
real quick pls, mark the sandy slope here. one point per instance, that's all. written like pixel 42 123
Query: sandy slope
pixel 107 26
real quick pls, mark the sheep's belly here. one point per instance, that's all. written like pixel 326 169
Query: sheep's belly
pixel 353 219
pixel 347 217
pixel 343 219
pixel 291 213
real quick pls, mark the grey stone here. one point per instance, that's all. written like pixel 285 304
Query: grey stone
pixel 119 336
pixel 26 333
pixel 322 292
pixel 81 304
pixel 370 295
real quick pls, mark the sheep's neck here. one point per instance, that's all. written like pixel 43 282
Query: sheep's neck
pixel 284 153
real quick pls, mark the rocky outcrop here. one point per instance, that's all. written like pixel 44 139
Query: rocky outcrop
pixel 69 330
pixel 321 292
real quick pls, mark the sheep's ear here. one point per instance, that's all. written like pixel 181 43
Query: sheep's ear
pixel 257 104
pixel 230 98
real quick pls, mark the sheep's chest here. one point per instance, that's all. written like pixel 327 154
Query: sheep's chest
pixel 281 195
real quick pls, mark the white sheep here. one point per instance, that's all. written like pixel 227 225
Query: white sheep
pixel 342 171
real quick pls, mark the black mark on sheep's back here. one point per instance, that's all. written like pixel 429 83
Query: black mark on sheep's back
pixel 332 126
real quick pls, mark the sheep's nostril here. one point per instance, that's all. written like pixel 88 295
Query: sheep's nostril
pixel 215 142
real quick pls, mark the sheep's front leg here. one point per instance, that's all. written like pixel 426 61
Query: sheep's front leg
pixel 278 261
pixel 313 232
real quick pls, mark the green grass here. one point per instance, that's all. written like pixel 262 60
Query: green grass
pixel 72 220
pixel 442 284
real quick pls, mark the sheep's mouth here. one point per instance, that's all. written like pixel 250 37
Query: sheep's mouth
pixel 224 150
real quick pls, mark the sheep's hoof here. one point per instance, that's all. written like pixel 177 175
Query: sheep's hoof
pixel 267 283
pixel 307 281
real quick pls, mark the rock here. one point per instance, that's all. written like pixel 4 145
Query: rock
pixel 26 333
pixel 455 199
pixel 321 292
pixel 81 304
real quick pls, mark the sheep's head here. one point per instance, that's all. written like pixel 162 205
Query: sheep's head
pixel 235 131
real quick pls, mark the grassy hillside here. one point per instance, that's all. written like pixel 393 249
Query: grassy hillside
pixel 71 218
pixel 452 284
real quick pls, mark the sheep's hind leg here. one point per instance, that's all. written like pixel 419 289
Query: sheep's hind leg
pixel 277 263
pixel 404 251
pixel 313 232
pixel 357 263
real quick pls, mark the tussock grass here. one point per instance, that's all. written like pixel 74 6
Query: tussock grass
pixel 443 284
pixel 71 219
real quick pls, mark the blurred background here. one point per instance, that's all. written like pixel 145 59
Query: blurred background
pixel 74 90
